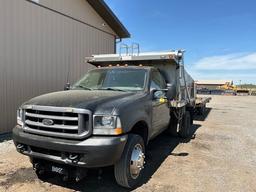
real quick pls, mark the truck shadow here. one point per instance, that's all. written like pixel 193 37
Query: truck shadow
pixel 5 137
pixel 158 150
pixel 202 117
pixel 162 147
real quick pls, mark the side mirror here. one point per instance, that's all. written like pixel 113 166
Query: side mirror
pixel 67 87
pixel 158 94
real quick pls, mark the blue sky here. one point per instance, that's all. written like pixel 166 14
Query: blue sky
pixel 219 36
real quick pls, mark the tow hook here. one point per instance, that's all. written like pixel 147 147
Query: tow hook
pixel 36 166
pixel 21 148
pixel 74 158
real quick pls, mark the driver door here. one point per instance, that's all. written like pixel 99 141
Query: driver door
pixel 160 110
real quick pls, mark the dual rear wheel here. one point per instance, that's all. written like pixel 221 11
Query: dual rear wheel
pixel 181 127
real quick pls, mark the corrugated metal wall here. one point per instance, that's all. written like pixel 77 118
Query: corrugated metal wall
pixel 79 9
pixel 36 47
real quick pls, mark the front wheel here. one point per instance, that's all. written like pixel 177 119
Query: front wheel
pixel 128 170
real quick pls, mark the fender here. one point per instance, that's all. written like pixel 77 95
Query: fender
pixel 134 112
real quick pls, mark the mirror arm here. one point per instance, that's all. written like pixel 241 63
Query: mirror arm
pixel 67 87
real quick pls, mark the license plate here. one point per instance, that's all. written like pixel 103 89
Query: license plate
pixel 57 170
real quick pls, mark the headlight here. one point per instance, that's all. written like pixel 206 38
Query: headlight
pixel 107 125
pixel 107 121
pixel 20 117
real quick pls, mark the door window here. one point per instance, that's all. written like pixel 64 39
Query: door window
pixel 157 81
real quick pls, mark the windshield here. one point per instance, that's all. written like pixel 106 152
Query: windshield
pixel 113 79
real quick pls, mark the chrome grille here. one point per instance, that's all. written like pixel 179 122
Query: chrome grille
pixel 57 121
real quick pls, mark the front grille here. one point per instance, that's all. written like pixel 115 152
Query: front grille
pixel 57 121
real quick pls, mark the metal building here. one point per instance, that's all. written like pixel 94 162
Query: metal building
pixel 212 84
pixel 42 40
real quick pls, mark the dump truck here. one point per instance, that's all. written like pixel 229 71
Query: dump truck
pixel 108 117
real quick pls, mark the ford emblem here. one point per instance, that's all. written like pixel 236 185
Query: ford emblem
pixel 48 122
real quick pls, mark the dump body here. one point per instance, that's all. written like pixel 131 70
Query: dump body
pixel 170 64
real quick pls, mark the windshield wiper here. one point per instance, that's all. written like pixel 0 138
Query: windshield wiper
pixel 112 89
pixel 83 87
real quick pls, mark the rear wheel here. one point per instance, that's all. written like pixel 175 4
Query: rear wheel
pixel 173 125
pixel 128 170
pixel 185 125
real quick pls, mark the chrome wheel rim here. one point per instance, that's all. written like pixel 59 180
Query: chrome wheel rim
pixel 137 161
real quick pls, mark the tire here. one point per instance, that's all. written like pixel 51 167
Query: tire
pixel 173 125
pixel 122 168
pixel 192 114
pixel 185 125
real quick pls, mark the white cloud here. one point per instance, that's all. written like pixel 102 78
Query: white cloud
pixel 244 77
pixel 237 61
pixel 236 67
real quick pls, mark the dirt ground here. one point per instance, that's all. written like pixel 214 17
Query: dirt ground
pixel 220 156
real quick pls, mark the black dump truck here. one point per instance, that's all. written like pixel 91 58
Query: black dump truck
pixel 108 117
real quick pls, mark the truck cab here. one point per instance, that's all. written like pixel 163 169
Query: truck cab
pixel 107 117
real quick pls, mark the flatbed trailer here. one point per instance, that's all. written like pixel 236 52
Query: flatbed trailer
pixel 200 104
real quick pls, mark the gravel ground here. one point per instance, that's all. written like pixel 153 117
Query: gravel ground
pixel 220 156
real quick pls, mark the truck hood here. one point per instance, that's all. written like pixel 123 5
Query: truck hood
pixel 95 100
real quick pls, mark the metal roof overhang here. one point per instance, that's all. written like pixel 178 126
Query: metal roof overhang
pixel 111 19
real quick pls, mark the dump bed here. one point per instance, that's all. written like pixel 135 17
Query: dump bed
pixel 170 64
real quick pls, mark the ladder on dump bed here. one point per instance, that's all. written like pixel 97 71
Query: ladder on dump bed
pixel 134 47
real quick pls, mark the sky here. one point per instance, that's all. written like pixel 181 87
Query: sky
pixel 219 36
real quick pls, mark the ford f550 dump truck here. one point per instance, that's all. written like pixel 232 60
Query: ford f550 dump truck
pixel 108 117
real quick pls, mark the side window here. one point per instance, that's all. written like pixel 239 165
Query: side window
pixel 157 81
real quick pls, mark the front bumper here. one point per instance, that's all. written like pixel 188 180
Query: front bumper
pixel 96 151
